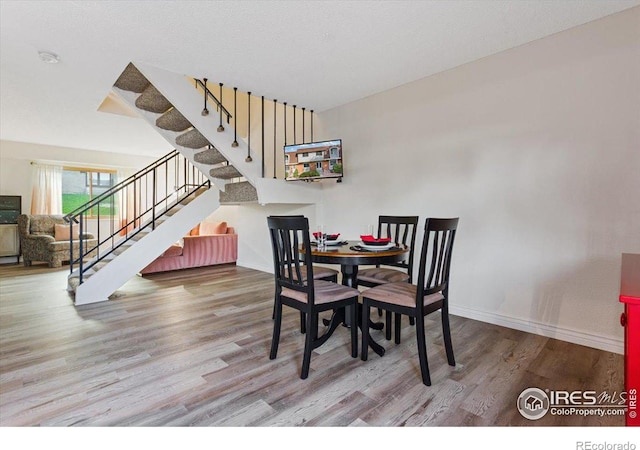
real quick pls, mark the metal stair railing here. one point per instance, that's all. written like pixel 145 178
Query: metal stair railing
pixel 131 206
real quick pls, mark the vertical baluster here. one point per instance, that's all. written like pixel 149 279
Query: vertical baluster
pixel 80 259
pixel 71 244
pixel 113 215
pixel 262 130
pixel 303 141
pixel 248 158
pixel 312 125
pixel 153 208
pixel 135 201
pixel 205 111
pixel 220 127
pixel 97 233
pixel 235 120
pixel 274 137
pixel 295 140
pixel 184 176
pixel 284 113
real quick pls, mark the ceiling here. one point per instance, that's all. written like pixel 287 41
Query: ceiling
pixel 317 54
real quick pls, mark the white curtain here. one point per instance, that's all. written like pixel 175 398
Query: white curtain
pixel 46 194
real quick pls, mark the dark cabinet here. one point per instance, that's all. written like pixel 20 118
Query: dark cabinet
pixel 10 209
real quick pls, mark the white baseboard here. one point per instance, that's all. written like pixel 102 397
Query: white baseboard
pixel 577 337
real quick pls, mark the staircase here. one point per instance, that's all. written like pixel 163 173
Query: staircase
pixel 158 111
pixel 214 170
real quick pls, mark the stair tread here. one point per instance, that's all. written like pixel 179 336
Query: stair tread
pixel 242 192
pixel 192 139
pixel 132 80
pixel 225 172
pixel 209 156
pixel 153 101
pixel 173 120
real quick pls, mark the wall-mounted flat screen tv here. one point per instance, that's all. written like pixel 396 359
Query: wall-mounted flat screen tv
pixel 313 161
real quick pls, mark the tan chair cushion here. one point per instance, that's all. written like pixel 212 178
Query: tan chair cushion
pixel 63 232
pixel 324 292
pixel 210 228
pixel 402 294
pixel 382 275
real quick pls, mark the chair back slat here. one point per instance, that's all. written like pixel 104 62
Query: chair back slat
pixel 288 235
pixel 402 230
pixel 435 258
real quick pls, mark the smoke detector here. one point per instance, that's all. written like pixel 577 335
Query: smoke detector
pixel 49 58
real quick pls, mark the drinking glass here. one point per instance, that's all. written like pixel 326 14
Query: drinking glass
pixel 322 237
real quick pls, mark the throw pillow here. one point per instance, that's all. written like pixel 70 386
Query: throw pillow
pixel 63 232
pixel 208 228
pixel 195 231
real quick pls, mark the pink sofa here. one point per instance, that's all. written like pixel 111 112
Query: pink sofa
pixel 206 245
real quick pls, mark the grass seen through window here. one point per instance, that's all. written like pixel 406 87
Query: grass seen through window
pixel 71 202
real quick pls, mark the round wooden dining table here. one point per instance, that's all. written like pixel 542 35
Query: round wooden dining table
pixel 350 256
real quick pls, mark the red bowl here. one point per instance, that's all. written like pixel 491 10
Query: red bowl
pixel 370 240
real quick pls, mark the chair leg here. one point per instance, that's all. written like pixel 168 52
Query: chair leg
pixel 446 334
pixel 354 330
pixel 273 313
pixel 275 340
pixel 365 330
pixel 303 321
pixel 398 324
pixel 422 351
pixel 312 324
pixel 387 326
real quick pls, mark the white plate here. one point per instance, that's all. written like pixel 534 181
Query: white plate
pixel 377 247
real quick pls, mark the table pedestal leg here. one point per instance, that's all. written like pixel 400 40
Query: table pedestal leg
pixel 350 278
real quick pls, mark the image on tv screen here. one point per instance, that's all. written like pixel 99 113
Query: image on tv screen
pixel 313 160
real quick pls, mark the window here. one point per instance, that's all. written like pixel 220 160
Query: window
pixel 81 185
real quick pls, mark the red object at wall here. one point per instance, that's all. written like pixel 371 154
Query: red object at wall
pixel 630 320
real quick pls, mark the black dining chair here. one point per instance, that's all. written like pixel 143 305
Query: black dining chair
pixel 319 273
pixel 429 295
pixel 303 292
pixel 402 230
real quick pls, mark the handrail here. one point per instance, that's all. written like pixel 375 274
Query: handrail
pixel 96 200
pixel 141 199
pixel 210 95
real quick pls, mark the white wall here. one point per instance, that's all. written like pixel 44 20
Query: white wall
pixel 537 150
pixel 250 223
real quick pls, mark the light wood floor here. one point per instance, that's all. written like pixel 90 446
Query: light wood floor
pixel 191 348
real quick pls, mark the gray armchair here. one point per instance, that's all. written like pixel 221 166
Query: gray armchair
pixel 37 240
